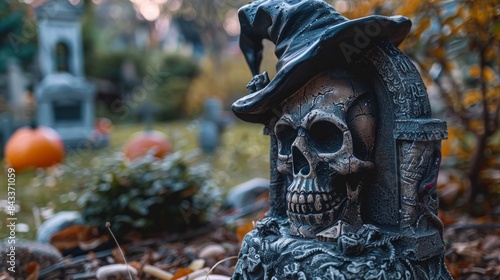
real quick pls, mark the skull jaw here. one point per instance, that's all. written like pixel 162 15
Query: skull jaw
pixel 343 218
pixel 309 225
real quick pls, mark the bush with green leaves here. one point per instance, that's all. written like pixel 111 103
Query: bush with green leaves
pixel 174 79
pixel 150 195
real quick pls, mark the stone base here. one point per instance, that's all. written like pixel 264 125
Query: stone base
pixel 268 252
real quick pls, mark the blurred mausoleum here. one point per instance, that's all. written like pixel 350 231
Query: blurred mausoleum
pixel 65 99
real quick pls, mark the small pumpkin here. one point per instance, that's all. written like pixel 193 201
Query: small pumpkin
pixel 34 147
pixel 103 126
pixel 150 141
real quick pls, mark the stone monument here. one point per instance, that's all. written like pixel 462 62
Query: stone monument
pixel 16 90
pixel 65 99
pixel 355 153
pixel 211 126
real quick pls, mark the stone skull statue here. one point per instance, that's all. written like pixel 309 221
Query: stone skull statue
pixel 326 138
pixel 354 152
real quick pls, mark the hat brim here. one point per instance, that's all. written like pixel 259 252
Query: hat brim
pixel 338 46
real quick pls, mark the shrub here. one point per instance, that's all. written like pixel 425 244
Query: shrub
pixel 108 65
pixel 149 195
pixel 174 78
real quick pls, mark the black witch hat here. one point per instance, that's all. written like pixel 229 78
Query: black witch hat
pixel 310 37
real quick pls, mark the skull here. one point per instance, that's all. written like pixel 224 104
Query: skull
pixel 326 139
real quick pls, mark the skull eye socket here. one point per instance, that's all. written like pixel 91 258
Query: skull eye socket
pixel 286 135
pixel 326 136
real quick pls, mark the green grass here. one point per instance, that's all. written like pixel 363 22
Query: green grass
pixel 244 154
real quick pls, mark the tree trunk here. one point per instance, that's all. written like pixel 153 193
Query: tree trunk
pixel 477 188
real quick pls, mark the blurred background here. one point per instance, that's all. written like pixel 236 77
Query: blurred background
pixel 99 72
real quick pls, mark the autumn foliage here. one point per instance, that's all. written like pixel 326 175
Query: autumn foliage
pixel 456 47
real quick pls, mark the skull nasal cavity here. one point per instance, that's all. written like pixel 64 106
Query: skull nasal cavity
pixel 300 163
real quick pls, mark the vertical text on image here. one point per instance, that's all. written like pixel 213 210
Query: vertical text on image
pixel 11 220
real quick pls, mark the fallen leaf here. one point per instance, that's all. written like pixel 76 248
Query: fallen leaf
pixel 182 271
pixel 243 229
pixel 490 242
pixel 6 276
pixel 453 269
pixel 493 256
pixel 32 270
pixel 136 265
pixel 468 250
pixel 117 255
pixel 446 218
pixel 78 236
pixel 93 243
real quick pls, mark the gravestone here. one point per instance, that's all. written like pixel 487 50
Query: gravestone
pixel 212 126
pixel 6 129
pixel 354 151
pixel 65 99
pixel 16 90
pixel 15 103
pixel 209 136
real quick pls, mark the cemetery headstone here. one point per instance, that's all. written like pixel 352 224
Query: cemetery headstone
pixel 16 89
pixel 65 99
pixel 212 125
pixel 354 151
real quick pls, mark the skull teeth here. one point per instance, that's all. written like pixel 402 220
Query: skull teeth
pixel 314 219
pixel 311 203
pixel 317 203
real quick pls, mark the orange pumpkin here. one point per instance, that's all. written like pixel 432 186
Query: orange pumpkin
pixel 30 147
pixel 142 143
